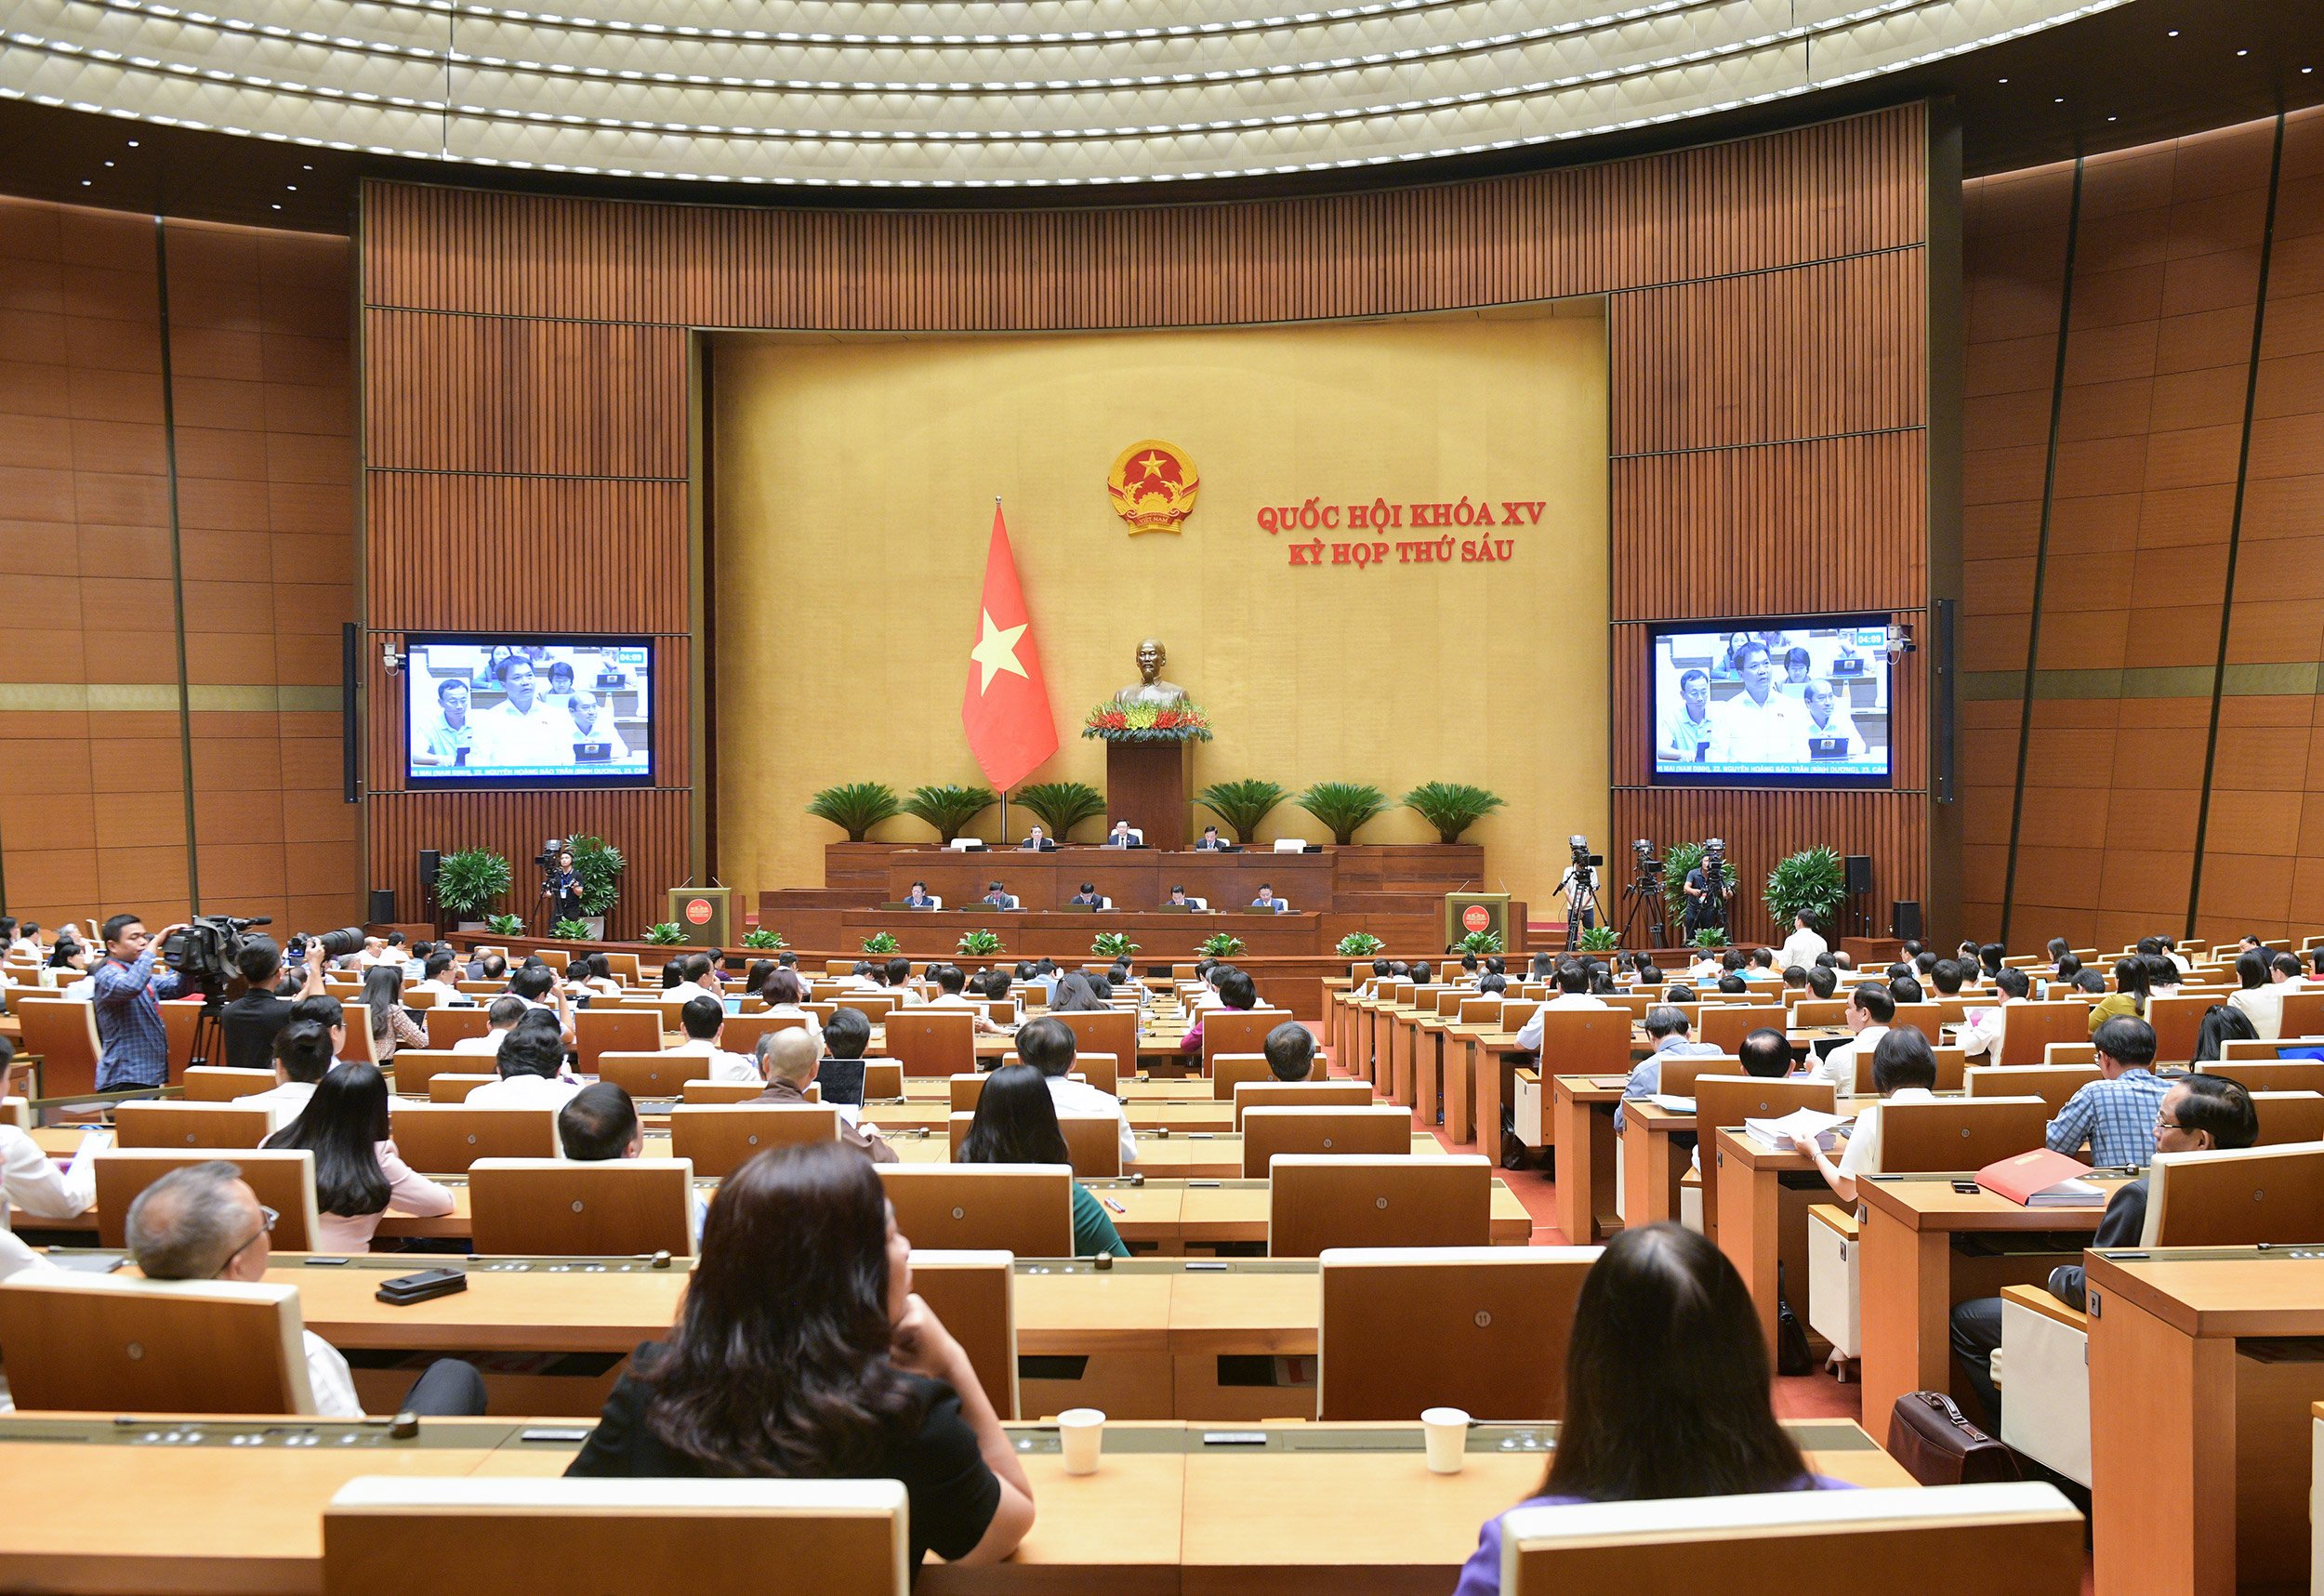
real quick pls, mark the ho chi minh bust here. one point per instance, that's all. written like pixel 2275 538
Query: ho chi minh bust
pixel 1150 688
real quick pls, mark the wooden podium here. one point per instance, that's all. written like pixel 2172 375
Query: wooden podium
pixel 1150 784
pixel 700 912
pixel 1466 912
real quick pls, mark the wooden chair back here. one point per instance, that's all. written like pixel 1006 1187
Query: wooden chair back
pixel 446 1026
pixel 649 1537
pixel 1316 1202
pixel 719 1091
pixel 2270 1075
pixel 64 1034
pixel 2087 1054
pixel 2022 1537
pixel 740 1033
pixel 975 1295
pixel 651 1075
pixel 600 1030
pixel 883 1080
pixel 1102 1071
pixel 189 1125
pixel 283 1178
pixel 557 959
pixel 1819 1011
pixel 1952 1067
pixel 624 968
pixel 964 1091
pixel 1093 1143
pixel 2240 1197
pixel 2303 1013
pixel 416 1067
pixel 1025 1209
pixel 1496 1321
pixel 1585 1042
pixel 2177 1021
pixel 1726 1101
pixel 1340 1131
pixel 2289 1117
pixel 1272 1094
pixel 720 1138
pixel 1480 1011
pixel 932 1041
pixel 121 1344
pixel 2031 1027
pixel 1229 1071
pixel 1238 1031
pixel 445 1139
pixel 1961 1133
pixel 360 1043
pixel 619 1207
pixel 452 1087
pixel 1724 1025
pixel 2052 1083
pixel 215 1083
pixel 876 1006
pixel 1677 1077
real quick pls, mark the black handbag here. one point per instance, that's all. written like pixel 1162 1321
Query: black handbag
pixel 1792 1353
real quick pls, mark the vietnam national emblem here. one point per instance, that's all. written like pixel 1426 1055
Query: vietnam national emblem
pixel 1152 486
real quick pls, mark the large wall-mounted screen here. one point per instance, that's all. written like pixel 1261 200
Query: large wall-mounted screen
pixel 494 710
pixel 1771 703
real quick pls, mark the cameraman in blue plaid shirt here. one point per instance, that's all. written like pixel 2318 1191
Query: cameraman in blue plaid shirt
pixel 132 1047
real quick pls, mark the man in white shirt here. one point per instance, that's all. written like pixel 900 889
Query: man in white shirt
pixel 523 729
pixel 438 980
pixel 1803 946
pixel 601 1125
pixel 702 1018
pixel 501 1018
pixel 531 1073
pixel 1759 725
pixel 1908 1074
pixel 1980 1033
pixel 1267 900
pixel 1687 734
pixel 303 1056
pixel 950 978
pixel 1870 1008
pixel 34 1183
pixel 204 1222
pixel 1826 720
pixel 1573 992
pixel 2264 1004
pixel 594 729
pixel 1048 1045
pixel 537 987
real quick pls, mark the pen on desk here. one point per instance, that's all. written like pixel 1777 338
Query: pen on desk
pixel 1113 1205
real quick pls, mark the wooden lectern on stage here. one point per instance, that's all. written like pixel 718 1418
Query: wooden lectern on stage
pixel 1467 912
pixel 1151 786
pixel 701 913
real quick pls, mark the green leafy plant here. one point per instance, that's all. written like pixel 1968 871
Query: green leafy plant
pixel 1360 944
pixel 471 879
pixel 984 944
pixel 1711 936
pixel 667 933
pixel 1479 943
pixel 763 936
pixel 1243 806
pixel 1061 806
pixel 1113 945
pixel 949 808
pixel 1677 859
pixel 599 866
pixel 879 941
pixel 1220 944
pixel 1598 939
pixel 1345 807
pixel 1810 882
pixel 570 930
pixel 1451 806
pixel 505 925
pixel 855 807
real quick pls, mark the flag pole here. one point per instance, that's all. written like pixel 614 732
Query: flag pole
pixel 1004 792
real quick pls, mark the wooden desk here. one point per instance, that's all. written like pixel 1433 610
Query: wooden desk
pixel 2200 1439
pixel 236 1505
pixel 1653 1163
pixel 1065 934
pixel 1482 1073
pixel 1583 1107
pixel 1765 1193
pixel 1911 1276
pixel 1136 878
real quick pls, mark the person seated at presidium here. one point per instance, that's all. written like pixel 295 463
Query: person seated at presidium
pixel 919 898
pixel 801 1353
pixel 1016 1123
pixel 359 1175
pixel 204 1222
pixel 1177 899
pixel 1209 841
pixel 1267 899
pixel 1037 842
pixel 1121 835
pixel 2199 1114
pixel 1048 1045
pixel 1089 896
pixel 997 896
pixel 1667 1391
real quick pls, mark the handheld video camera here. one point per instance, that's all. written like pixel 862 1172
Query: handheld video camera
pixel 204 954
pixel 1582 857
pixel 546 857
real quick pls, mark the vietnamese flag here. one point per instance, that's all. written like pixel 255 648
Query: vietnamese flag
pixel 1005 708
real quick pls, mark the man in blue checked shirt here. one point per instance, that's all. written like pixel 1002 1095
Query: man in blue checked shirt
pixel 132 1046
pixel 2115 1114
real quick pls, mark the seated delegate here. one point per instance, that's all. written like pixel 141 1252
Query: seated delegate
pixel 1666 1391
pixel 1016 1123
pixel 801 1353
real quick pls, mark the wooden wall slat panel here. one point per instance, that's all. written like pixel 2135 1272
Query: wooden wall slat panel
pixel 1767 370
pixel 649 827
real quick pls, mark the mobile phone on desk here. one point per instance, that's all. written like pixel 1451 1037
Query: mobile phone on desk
pixel 405 1289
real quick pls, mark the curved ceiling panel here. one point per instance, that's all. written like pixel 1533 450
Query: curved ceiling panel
pixel 1034 92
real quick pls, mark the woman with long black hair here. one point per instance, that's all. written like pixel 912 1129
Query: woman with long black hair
pixel 1666 1390
pixel 801 1353
pixel 383 999
pixel 359 1175
pixel 1016 1123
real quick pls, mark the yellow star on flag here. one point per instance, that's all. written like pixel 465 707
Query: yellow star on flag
pixel 996 651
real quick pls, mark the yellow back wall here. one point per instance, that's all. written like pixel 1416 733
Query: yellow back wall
pixel 853 491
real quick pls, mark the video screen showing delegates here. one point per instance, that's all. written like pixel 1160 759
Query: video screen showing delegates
pixel 529 711
pixel 1774 703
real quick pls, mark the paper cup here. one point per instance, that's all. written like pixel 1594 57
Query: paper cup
pixel 1448 1432
pixel 1081 1430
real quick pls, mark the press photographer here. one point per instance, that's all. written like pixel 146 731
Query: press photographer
pixel 251 1022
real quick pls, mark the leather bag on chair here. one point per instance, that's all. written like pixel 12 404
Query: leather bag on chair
pixel 1791 1350
pixel 1938 1445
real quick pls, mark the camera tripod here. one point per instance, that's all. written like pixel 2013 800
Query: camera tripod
pixel 1642 895
pixel 1581 902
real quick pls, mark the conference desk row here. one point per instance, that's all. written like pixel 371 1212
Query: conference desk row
pixel 197 1508
pixel 1163 936
pixel 1133 878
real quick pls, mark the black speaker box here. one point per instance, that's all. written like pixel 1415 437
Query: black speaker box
pixel 431 861
pixel 1904 921
pixel 1860 867
pixel 383 906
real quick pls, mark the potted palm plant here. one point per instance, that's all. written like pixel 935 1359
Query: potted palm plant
pixel 855 807
pixel 1344 807
pixel 948 806
pixel 1243 807
pixel 1451 806
pixel 1061 806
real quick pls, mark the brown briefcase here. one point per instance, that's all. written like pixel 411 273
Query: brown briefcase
pixel 1938 1445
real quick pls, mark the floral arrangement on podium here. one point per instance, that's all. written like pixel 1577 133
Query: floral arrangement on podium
pixel 1148 723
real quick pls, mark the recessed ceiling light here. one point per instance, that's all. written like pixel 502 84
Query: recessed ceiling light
pixel 2173 34
pixel 108 163
pixel 278 208
pixel 2001 80
pixel 2059 100
pixel 133 143
pixel 85 182
pixel 305 168
pixel 2114 119
pixel 2243 52
pixel 292 187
